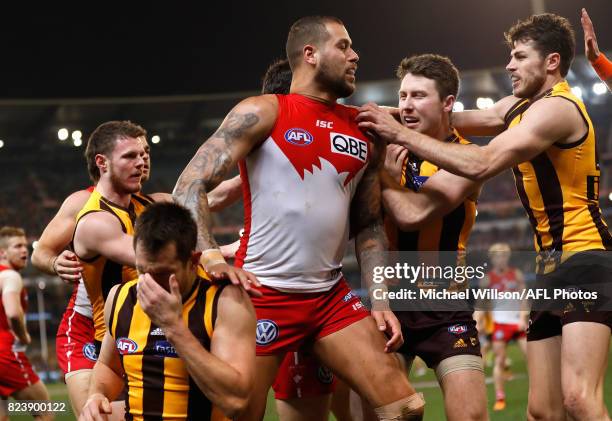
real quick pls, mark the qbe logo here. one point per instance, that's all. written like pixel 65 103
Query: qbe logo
pixel 89 351
pixel 458 329
pixel 267 332
pixel 299 137
pixel 350 146
pixel 126 346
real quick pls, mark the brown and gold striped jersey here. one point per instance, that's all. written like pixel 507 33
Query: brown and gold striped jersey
pixel 559 188
pixel 99 273
pixel 158 383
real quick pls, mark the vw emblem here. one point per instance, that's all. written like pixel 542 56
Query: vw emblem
pixel 267 332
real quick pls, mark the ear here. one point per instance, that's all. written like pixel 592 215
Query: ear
pixel 309 52
pixel 101 163
pixel 553 62
pixel 449 101
pixel 195 258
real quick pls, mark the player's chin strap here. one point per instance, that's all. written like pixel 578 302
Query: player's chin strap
pixel 411 408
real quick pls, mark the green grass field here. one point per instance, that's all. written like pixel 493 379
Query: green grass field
pixel 516 394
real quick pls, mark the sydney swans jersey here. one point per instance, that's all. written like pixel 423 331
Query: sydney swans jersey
pixel 505 311
pixel 6 334
pixel 298 186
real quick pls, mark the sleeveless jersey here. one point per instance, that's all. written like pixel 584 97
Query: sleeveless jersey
pixel 298 185
pixel 99 273
pixel 6 334
pixel 158 384
pixel 559 188
pixel 447 234
pixel 505 311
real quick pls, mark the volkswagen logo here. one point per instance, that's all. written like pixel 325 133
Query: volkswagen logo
pixel 267 332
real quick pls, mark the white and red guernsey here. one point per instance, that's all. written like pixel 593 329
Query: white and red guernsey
pixel 298 186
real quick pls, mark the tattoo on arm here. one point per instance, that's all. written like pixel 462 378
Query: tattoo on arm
pixel 207 169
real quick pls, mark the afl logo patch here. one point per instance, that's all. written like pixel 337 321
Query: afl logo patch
pixel 458 329
pixel 267 332
pixel 299 137
pixel 325 375
pixel 89 351
pixel 126 346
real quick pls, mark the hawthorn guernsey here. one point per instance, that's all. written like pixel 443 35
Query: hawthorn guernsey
pixel 298 186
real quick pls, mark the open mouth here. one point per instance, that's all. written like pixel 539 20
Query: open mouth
pixel 410 121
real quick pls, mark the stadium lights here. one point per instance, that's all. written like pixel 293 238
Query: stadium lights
pixel 484 103
pixel 610 197
pixel 76 135
pixel 34 244
pixel 1 143
pixel 599 88
pixel 155 139
pixel 577 90
pixel 62 134
pixel 77 142
pixel 458 106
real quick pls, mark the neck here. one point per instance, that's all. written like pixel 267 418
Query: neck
pixel 188 285
pixel 443 131
pixel 305 85
pixel 5 262
pixel 549 82
pixel 106 189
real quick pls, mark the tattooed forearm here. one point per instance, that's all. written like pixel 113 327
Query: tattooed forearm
pixel 208 168
pixel 367 224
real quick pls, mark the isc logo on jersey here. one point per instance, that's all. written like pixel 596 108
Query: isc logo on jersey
pixel 299 137
pixel 350 146
pixel 126 346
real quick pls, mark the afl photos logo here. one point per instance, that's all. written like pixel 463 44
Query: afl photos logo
pixel 267 332
pixel 299 137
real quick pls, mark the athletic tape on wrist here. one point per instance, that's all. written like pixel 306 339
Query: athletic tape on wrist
pixel 603 67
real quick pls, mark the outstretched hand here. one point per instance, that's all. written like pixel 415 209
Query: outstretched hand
pixel 591 50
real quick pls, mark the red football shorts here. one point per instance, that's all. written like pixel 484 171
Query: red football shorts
pixel 17 373
pixel 507 332
pixel 301 375
pixel 74 343
pixel 287 321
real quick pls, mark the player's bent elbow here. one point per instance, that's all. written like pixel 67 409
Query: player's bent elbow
pixel 233 406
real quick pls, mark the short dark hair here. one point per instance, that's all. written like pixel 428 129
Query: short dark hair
pixel 307 30
pixel 277 79
pixel 165 223
pixel 550 33
pixel 103 139
pixel 435 67
pixel 7 232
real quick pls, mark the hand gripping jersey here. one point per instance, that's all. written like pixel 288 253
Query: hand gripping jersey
pixel 298 186
pixel 6 335
pixel 559 188
pixel 99 273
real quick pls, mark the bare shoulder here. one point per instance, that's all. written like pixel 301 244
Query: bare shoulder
pixel 74 203
pixel 257 109
pixel 233 297
pixel 98 224
pixel 556 117
pixel 10 280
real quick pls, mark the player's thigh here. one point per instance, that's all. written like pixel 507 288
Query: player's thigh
pixel 311 408
pixel 356 354
pixel 583 371
pixel 77 384
pixel 36 391
pixel 465 395
pixel 544 366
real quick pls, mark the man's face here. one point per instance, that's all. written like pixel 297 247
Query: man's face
pixel 126 165
pixel 500 259
pixel 337 62
pixel 164 264
pixel 146 169
pixel 420 106
pixel 527 69
pixel 16 252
